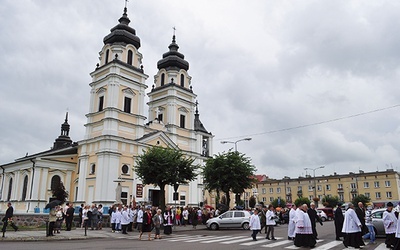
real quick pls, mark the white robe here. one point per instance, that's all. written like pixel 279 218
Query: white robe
pixel 124 217
pixel 292 223
pixel 389 222
pixel 351 222
pixel 303 223
pixel 255 222
pixel 269 217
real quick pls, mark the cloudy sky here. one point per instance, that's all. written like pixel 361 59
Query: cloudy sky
pixel 313 83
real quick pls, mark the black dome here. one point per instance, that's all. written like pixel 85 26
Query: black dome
pixel 173 59
pixel 122 33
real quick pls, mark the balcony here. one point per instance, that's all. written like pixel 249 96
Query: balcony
pixel 340 190
pixel 353 190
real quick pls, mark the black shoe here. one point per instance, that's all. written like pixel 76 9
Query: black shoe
pixel 273 239
pixel 267 238
pixel 255 239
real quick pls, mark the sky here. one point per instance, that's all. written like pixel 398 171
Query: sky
pixel 313 83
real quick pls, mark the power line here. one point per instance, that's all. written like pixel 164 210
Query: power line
pixel 314 124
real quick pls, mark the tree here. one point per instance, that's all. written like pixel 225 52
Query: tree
pixel 278 203
pixel 165 166
pixel 60 193
pixel 228 172
pixel 360 198
pixel 330 201
pixel 252 201
pixel 302 200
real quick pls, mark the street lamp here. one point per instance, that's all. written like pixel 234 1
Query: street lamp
pixel 315 188
pixel 235 142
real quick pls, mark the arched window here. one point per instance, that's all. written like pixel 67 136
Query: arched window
pixel 9 189
pixel 92 169
pixel 107 53
pixel 24 188
pixel 130 55
pixel 182 80
pixel 162 79
pixel 55 182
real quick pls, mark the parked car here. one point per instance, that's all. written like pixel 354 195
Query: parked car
pixel 230 219
pixel 328 211
pixel 322 215
pixel 377 221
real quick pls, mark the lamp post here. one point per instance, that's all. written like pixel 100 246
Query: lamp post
pixel 315 188
pixel 235 142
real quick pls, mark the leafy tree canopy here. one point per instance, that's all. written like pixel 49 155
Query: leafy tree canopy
pixel 278 203
pixel 302 200
pixel 360 198
pixel 330 201
pixel 165 166
pixel 228 172
pixel 60 193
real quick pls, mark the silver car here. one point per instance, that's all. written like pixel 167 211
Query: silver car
pixel 377 221
pixel 230 219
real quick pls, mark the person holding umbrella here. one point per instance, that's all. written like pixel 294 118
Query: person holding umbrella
pixel 52 215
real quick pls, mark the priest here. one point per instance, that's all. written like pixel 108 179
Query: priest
pixel 352 229
pixel 304 234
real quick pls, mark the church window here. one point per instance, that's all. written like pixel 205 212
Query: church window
pixel 101 103
pixel 160 117
pixel 162 79
pixel 130 55
pixel 9 189
pixel 125 169
pixel 107 54
pixel 24 188
pixel 127 104
pixel 182 80
pixel 92 169
pixel 182 121
pixel 55 182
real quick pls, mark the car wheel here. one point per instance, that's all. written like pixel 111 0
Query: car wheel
pixel 323 219
pixel 246 226
pixel 214 226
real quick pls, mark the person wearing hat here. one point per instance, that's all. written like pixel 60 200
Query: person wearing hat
pixel 390 224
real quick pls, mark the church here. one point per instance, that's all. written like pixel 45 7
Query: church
pixel 100 167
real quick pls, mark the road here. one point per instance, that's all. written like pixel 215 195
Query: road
pixel 194 240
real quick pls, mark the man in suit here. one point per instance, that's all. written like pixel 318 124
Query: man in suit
pixel 8 217
pixel 312 213
pixel 69 216
pixel 360 211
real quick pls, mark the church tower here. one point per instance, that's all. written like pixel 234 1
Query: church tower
pixel 116 115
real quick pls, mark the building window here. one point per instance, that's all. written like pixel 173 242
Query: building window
pixel 264 199
pixel 387 183
pixel 378 195
pixel 24 188
pixel 353 196
pixel 107 55
pixel 130 56
pixel 353 185
pixel 367 195
pixel 182 80
pixel 182 199
pixel 162 79
pixel 271 199
pixel 299 188
pixel 160 117
pixel 127 104
pixel 341 197
pixel 182 121
pixel 9 189
pixel 288 190
pixel 319 188
pixel 263 190
pixel 311 197
pixel 125 169
pixel 101 103
pixel 271 190
pixel 340 186
pixel 310 188
pixel 366 184
pixel 55 182
pixel 389 195
pixel 278 190
pixel 92 169
pixel 124 198
pixel 376 184
pixel 328 187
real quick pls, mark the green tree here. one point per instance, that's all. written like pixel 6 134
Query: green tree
pixel 330 201
pixel 278 203
pixel 228 172
pixel 164 166
pixel 302 200
pixel 252 201
pixel 360 198
pixel 60 193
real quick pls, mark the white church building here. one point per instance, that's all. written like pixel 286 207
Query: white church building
pixel 100 167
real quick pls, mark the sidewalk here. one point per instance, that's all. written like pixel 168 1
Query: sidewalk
pixel 79 234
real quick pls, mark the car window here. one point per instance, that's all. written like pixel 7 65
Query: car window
pixel 377 215
pixel 239 214
pixel 227 215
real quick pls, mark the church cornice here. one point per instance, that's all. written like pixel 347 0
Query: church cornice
pixel 171 85
pixel 115 62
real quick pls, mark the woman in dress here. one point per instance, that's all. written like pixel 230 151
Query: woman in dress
pixel 147 223
pixel 157 221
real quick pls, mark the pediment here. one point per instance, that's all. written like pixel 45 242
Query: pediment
pixel 158 139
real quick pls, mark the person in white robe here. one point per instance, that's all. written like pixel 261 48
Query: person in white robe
pixel 304 235
pixel 292 223
pixel 397 235
pixel 255 224
pixel 352 228
pixel 390 224
pixel 124 219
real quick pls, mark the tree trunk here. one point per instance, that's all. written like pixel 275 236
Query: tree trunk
pixel 162 196
pixel 228 199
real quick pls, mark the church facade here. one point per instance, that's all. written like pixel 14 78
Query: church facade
pixel 120 126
